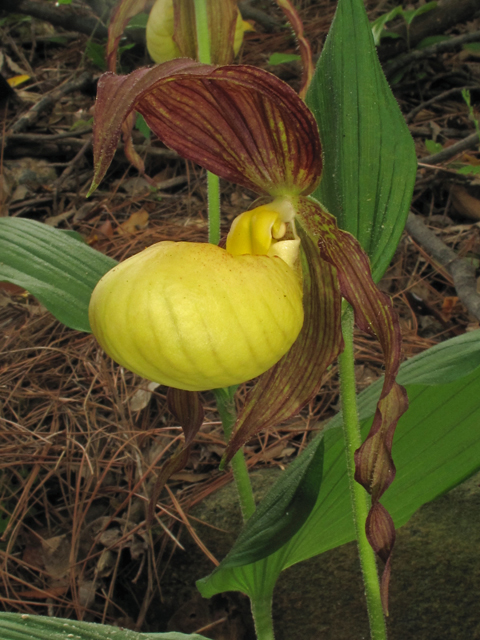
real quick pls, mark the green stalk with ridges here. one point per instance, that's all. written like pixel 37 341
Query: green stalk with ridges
pixel 359 497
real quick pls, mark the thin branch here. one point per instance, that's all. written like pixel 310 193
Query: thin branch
pixel 58 16
pixel 67 139
pixel 252 13
pixel 438 98
pixel 440 47
pixel 32 115
pixel 445 154
pixel 462 272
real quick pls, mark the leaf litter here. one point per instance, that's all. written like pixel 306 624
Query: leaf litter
pixel 82 439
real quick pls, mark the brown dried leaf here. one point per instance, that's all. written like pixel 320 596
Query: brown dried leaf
pixel 465 203
pixel 56 556
pixel 136 222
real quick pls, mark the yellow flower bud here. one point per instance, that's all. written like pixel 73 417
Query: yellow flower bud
pixel 195 317
pixel 160 28
pixel 159 32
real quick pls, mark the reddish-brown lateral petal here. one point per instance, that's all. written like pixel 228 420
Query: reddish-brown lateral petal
pixel 222 16
pixel 187 408
pixel 374 314
pixel 380 532
pixel 185 31
pixel 283 390
pixel 303 44
pixel 174 464
pixel 239 122
pixel 128 148
pixel 121 16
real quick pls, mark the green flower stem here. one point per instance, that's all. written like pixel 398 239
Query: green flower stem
pixel 213 186
pixel 203 32
pixel 262 616
pixel 213 182
pixel 226 409
pixel 224 397
pixel 261 608
pixel 359 496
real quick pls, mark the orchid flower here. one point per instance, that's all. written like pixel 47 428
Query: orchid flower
pixel 171 30
pixel 249 127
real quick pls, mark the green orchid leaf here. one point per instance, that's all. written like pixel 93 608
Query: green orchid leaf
pixel 16 626
pixel 283 58
pixel 283 512
pixel 410 14
pixel 379 24
pixel 445 362
pixel 53 266
pixel 239 122
pixel 370 162
pixel 284 389
pixel 436 447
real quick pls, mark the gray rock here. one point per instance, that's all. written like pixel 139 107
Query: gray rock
pixel 435 584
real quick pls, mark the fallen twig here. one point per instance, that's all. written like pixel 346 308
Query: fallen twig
pixel 462 272
pixel 438 98
pixel 32 115
pixel 440 47
pixel 67 139
pixel 449 152
pixel 63 17
pixel 73 163
pixel 251 13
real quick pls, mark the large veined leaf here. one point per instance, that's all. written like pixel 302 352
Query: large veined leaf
pixel 436 446
pixel 370 161
pixel 16 626
pixel 55 267
pixel 282 513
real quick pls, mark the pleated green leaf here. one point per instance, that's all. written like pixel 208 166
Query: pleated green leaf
pixel 16 626
pixel 436 447
pixel 53 266
pixel 370 162
pixel 282 513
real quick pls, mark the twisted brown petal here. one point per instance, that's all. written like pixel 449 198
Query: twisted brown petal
pixel 187 408
pixel 374 314
pixel 285 388
pixel 121 16
pixel 303 44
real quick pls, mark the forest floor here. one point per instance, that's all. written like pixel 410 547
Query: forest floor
pixel 77 468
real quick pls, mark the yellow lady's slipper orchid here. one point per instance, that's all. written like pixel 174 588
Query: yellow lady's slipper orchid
pixel 193 316
pixel 160 30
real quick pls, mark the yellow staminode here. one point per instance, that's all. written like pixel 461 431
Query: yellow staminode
pixel 260 230
pixel 160 29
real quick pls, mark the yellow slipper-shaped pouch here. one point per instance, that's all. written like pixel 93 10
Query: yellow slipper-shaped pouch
pixel 195 317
